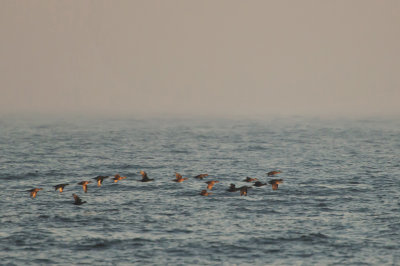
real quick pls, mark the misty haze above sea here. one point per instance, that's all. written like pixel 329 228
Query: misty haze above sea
pixel 339 203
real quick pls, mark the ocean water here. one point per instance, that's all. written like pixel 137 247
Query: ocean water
pixel 339 203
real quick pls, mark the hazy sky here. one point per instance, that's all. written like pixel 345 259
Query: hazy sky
pixel 212 57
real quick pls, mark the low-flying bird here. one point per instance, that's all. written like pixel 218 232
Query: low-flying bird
pixel 211 183
pixel 145 178
pixel 249 179
pixel 60 187
pixel 84 185
pixel 205 193
pixel 34 191
pixel 275 182
pixel 78 200
pixel 201 176
pixel 100 179
pixel 117 178
pixel 179 178
pixel 259 184
pixel 273 173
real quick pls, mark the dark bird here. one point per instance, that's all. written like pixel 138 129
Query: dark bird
pixel 179 178
pixel 259 184
pixel 275 182
pixel 117 178
pixel 211 184
pixel 205 193
pixel 78 200
pixel 233 188
pixel 201 176
pixel 243 190
pixel 84 185
pixel 100 179
pixel 145 178
pixel 60 187
pixel 34 191
pixel 249 179
pixel 273 173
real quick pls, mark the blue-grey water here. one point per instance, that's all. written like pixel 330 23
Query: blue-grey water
pixel 339 203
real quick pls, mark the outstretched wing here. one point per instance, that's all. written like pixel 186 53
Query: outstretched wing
pixel 178 175
pixel 76 198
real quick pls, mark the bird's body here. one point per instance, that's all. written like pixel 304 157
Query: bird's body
pixel 78 200
pixel 249 179
pixel 259 184
pixel 117 178
pixel 273 173
pixel 34 191
pixel 211 184
pixel 201 176
pixel 60 187
pixel 179 178
pixel 100 179
pixel 84 185
pixel 145 178
pixel 275 183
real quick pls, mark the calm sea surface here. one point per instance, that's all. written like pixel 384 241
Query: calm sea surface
pixel 339 203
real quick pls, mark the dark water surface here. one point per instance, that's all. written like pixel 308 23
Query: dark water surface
pixel 339 203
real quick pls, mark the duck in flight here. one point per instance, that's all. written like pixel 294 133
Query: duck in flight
pixel 117 178
pixel 60 187
pixel 100 179
pixel 275 183
pixel 84 185
pixel 179 178
pixel 34 191
pixel 145 178
pixel 273 173
pixel 259 184
pixel 78 200
pixel 211 184
pixel 201 176
pixel 249 179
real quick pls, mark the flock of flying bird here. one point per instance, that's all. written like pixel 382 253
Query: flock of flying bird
pixel 178 178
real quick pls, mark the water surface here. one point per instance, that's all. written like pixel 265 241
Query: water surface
pixel 339 203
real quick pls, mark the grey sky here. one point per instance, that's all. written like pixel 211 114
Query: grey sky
pixel 200 57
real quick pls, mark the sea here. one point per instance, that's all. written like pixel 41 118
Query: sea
pixel 339 203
